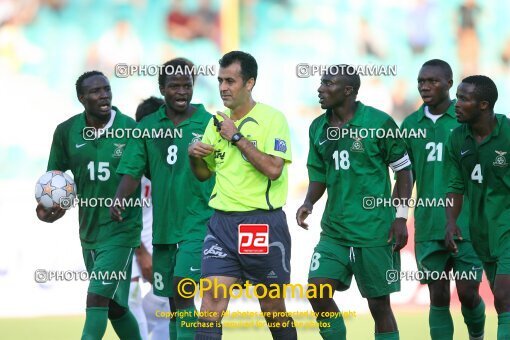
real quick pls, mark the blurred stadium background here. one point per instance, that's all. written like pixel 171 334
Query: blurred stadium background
pixel 46 44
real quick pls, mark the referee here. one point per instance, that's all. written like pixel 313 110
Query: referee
pixel 248 147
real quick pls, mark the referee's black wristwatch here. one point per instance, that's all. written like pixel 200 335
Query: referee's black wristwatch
pixel 236 137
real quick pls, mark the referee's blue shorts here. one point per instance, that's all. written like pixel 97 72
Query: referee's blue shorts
pixel 224 255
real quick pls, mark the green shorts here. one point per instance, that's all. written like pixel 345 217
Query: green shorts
pixel 434 257
pixel 499 267
pixel 109 270
pixel 175 260
pixel 375 269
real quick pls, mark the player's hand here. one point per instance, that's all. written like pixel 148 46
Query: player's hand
pixel 116 212
pixel 49 215
pixel 228 128
pixel 302 213
pixel 452 230
pixel 200 150
pixel 398 231
pixel 145 261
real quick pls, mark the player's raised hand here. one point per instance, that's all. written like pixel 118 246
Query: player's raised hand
pixel 452 230
pixel 302 213
pixel 200 150
pixel 49 215
pixel 227 127
pixel 116 211
pixel 398 231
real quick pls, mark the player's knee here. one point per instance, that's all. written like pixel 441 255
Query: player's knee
pixel 502 299
pixel 321 304
pixel 116 311
pixel 468 294
pixel 380 306
pixel 272 305
pixel 440 293
pixel 213 302
pixel 180 301
pixel 94 300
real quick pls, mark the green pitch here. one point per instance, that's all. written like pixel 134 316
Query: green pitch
pixel 412 325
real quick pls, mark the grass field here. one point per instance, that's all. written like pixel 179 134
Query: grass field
pixel 412 324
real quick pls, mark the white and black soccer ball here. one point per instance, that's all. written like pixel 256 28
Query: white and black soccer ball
pixel 55 188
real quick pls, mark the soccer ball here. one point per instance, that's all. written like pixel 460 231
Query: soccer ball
pixel 55 188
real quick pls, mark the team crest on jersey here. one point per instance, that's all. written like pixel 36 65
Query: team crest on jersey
pixel 254 142
pixel 357 146
pixel 500 159
pixel 196 137
pixel 119 149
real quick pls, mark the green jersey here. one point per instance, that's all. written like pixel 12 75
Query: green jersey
pixel 179 199
pixel 239 185
pixel 93 164
pixel 353 170
pixel 426 156
pixel 481 172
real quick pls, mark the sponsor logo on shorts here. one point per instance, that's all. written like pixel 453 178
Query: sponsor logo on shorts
pixel 272 275
pixel 215 251
pixel 194 269
pixel 253 239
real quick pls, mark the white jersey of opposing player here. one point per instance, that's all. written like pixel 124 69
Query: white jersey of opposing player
pixel 146 235
pixel 144 307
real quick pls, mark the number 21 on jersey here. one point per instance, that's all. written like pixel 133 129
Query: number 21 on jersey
pixel 436 151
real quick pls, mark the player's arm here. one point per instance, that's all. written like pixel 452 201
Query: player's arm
pixel 56 161
pixel 410 153
pixel 452 213
pixel 403 189
pixel 454 195
pixel 394 153
pixel 317 176
pixel 197 151
pixel 269 165
pixel 132 166
pixel 315 192
pixel 144 259
pixel 126 188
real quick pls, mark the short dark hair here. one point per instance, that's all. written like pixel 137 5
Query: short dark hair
pixel 485 89
pixel 148 106
pixel 183 64
pixel 445 67
pixel 348 73
pixel 248 64
pixel 81 79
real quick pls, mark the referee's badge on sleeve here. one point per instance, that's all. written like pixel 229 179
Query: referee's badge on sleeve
pixel 280 145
